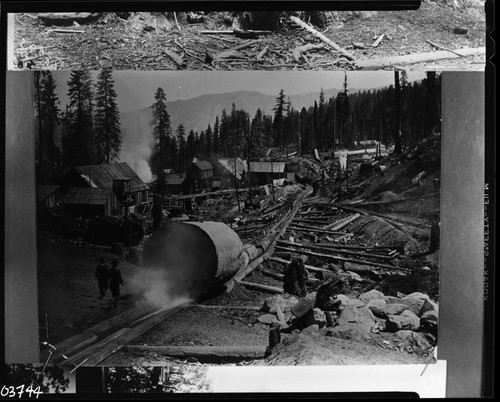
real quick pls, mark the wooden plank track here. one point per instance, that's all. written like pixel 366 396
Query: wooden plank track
pixel 98 352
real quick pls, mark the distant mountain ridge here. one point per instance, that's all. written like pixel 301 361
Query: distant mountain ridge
pixel 196 114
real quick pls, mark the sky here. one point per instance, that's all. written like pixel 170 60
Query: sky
pixel 136 89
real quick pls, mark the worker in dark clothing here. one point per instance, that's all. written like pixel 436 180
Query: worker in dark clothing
pixel 115 279
pixel 101 273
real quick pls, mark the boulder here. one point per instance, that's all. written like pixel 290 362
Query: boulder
pixel 415 339
pixel 371 295
pixel 377 307
pixel 406 320
pixel 414 300
pixel 303 306
pixel 395 309
pixel 428 305
pixel 429 322
pixel 311 329
pixel 268 319
pixel 271 304
pixel 316 316
pixel 358 319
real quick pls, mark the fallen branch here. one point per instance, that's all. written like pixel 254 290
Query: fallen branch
pixel 235 32
pixel 262 53
pixel 57 30
pixel 176 23
pixel 443 48
pixel 386 62
pixel 322 37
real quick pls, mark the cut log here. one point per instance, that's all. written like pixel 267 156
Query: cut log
pixel 443 48
pixel 388 62
pixel 235 32
pixel 66 18
pixel 377 42
pixel 299 227
pixel 308 267
pixel 176 58
pixel 343 223
pixel 338 258
pixel 272 274
pixel 229 307
pixel 234 50
pixel 321 37
pixel 332 249
pixel 262 288
pixel 204 352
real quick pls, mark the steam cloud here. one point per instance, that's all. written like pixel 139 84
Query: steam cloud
pixel 158 287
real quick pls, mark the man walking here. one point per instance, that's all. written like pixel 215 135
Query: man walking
pixel 101 274
pixel 115 279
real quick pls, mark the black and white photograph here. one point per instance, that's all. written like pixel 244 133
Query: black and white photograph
pixel 276 218
pixel 438 35
pixel 248 201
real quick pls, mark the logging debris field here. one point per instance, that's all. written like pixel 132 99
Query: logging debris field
pixel 440 31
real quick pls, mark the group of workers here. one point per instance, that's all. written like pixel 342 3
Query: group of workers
pixel 108 277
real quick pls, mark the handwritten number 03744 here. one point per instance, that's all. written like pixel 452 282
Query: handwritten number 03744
pixel 12 392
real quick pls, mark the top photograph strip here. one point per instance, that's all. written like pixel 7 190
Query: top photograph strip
pixel 438 35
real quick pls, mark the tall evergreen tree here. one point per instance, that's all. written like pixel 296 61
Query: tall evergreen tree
pixel 279 112
pixel 79 142
pixel 216 137
pixel 107 118
pixel 47 107
pixel 161 133
pixel 397 126
pixel 181 141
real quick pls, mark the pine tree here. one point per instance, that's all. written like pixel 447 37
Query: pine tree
pixel 107 119
pixel 181 141
pixel 216 137
pixel 161 133
pixel 397 126
pixel 79 142
pixel 47 107
pixel 279 111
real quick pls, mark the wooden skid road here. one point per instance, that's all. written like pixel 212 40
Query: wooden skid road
pixel 240 352
pixel 96 353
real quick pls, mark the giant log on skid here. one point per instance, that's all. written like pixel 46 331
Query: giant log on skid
pixel 196 255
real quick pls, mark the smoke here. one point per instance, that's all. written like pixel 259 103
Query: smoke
pixel 137 138
pixel 158 287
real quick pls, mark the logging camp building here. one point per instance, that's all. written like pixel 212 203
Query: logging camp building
pixel 200 174
pixel 262 172
pixel 103 190
pixel 229 172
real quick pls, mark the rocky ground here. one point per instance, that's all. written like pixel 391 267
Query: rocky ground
pixel 164 41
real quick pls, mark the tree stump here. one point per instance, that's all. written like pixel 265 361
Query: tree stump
pixel 294 281
pixel 434 240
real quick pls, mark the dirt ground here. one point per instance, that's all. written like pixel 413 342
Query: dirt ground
pixel 140 42
pixel 69 299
